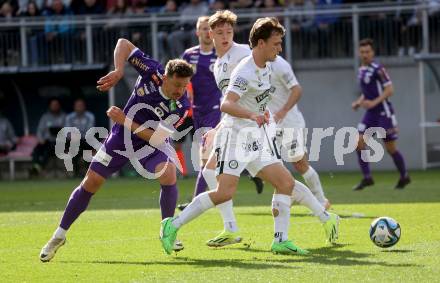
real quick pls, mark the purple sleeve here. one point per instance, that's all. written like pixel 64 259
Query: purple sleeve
pixel 185 56
pixel 383 76
pixel 143 64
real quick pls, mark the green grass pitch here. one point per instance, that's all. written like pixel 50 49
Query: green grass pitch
pixel 116 239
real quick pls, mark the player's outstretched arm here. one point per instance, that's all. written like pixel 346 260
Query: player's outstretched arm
pixel 295 95
pixel 231 107
pixel 122 51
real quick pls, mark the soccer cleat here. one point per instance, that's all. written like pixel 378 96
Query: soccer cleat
pixel 182 206
pixel 259 185
pixel 403 182
pixel 168 234
pixel 224 238
pixel 287 247
pixel 364 183
pixel 331 228
pixel 178 246
pixel 49 250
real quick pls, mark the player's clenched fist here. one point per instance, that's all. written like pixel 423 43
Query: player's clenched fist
pixel 261 119
pixel 109 80
pixel 116 114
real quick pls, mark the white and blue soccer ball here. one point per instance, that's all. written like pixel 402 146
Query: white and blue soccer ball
pixel 384 232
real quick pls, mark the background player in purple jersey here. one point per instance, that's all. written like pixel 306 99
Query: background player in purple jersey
pixel 376 88
pixel 159 95
pixel 206 95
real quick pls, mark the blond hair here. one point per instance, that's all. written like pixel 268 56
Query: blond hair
pixel 222 17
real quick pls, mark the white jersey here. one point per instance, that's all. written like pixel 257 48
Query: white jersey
pixel 226 64
pixel 253 85
pixel 282 80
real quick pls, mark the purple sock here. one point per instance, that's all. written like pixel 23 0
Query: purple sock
pixel 400 163
pixel 168 200
pixel 78 202
pixel 200 184
pixel 365 167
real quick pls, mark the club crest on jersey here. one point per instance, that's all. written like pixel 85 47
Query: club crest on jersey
pixel 233 164
pixel 140 92
pixel 241 83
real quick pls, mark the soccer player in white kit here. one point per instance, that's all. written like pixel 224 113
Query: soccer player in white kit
pixel 290 140
pixel 245 107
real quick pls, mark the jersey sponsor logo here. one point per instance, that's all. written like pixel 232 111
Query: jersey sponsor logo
pixel 262 96
pixel 241 83
pixel 224 83
pixel 251 146
pixel 138 63
pixel 260 84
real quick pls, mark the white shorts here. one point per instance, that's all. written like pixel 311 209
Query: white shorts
pixel 291 138
pixel 250 148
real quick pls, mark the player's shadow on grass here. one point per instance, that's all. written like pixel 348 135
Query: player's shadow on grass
pixel 208 263
pixel 342 215
pixel 397 251
pixel 331 255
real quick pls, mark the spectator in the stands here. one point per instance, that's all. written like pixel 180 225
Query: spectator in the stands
pixel 241 4
pixel 90 7
pixel 31 10
pixel 324 24
pixel 217 5
pixel 184 34
pixel 164 31
pixel 8 139
pixel 120 8
pixel 83 120
pixel 57 32
pixel 48 127
pixel 6 10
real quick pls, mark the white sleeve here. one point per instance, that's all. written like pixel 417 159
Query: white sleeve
pixel 286 75
pixel 239 83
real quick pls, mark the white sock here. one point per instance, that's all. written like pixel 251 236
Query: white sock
pixel 210 178
pixel 228 216
pixel 59 233
pixel 311 178
pixel 199 204
pixel 225 208
pixel 303 196
pixel 281 216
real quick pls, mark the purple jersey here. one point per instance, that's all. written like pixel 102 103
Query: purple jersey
pixel 148 90
pixel 372 80
pixel 206 93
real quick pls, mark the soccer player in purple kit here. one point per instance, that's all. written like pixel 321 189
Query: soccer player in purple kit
pixel 376 88
pixel 160 96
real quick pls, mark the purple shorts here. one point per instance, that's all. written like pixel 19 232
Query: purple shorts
pixel 210 119
pixel 389 123
pixel 107 161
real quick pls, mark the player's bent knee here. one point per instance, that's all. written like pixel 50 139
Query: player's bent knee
pixel 92 181
pixel 168 177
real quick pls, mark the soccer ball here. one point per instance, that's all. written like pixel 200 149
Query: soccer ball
pixel 384 232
